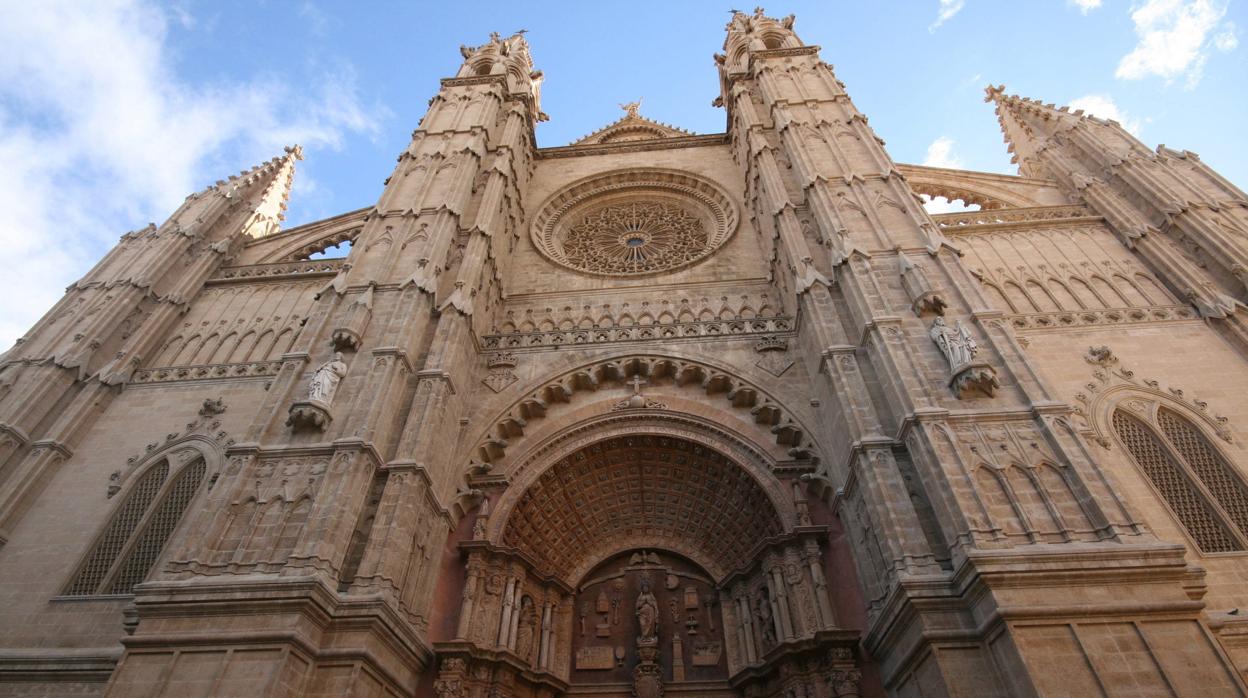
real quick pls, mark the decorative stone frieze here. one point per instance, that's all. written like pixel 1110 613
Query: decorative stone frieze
pixel 257 369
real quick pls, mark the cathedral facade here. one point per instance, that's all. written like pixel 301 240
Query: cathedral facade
pixel 650 414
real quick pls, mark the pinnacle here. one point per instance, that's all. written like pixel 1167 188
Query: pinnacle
pixel 994 93
pixel 268 185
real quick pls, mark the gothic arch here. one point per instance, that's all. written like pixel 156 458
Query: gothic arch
pixel 155 493
pixel 303 241
pixel 936 184
pixel 1204 491
pixel 572 462
pixel 681 373
pixel 1116 385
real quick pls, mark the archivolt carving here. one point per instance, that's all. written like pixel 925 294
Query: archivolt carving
pixel 1114 384
pixel 634 222
pixel 651 489
pixel 680 373
pixel 201 437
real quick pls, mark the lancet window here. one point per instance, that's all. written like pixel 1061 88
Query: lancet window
pixel 1195 480
pixel 130 545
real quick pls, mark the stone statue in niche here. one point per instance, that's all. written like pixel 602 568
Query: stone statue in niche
pixel 647 608
pixel 525 633
pixel 325 380
pixel 765 623
pixel 956 343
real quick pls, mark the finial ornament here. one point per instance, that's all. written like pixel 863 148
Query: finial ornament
pixel 992 94
pixel 632 109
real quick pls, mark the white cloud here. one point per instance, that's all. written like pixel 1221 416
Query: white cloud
pixel 1104 107
pixel 1226 40
pixel 940 204
pixel 1086 6
pixel 948 8
pixel 940 154
pixel 99 135
pixel 1174 39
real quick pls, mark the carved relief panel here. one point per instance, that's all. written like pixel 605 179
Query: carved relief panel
pixel 680 607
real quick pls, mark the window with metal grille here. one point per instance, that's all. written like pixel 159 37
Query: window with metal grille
pixel 1207 496
pixel 138 531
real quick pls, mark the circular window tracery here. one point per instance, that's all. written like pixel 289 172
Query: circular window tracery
pixel 634 223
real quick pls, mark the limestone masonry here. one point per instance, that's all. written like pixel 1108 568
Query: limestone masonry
pixel 650 414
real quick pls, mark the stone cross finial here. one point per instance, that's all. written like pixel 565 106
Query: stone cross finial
pixel 637 382
pixel 992 93
pixel 632 108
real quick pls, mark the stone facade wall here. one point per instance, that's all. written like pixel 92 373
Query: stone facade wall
pixel 879 446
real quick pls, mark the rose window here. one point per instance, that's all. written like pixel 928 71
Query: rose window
pixel 634 223
pixel 635 238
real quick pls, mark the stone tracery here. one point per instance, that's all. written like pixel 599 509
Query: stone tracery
pixel 634 222
pixel 635 237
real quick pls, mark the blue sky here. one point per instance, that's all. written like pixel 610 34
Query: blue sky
pixel 111 111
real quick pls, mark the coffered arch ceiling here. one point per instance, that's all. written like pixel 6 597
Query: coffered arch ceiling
pixel 638 491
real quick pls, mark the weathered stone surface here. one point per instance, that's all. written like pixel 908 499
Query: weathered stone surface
pixel 649 414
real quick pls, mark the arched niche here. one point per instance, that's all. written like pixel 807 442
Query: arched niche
pixel 633 485
pixel 689 620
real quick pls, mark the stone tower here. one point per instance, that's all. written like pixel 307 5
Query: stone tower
pixel 652 413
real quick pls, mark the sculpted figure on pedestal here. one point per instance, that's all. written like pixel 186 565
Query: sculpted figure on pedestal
pixel 647 613
pixel 525 633
pixel 956 343
pixel 325 381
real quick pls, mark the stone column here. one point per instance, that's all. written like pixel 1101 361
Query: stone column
pixel 469 603
pixel 746 629
pixel 780 604
pixel 504 621
pixel 823 605
pixel 515 616
pixel 543 656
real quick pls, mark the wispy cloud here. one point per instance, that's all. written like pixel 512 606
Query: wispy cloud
pixel 99 134
pixel 940 154
pixel 1174 39
pixel 948 8
pixel 1104 107
pixel 1086 6
pixel 318 21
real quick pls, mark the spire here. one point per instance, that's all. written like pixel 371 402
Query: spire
pixel 1018 117
pixel 1030 127
pixel 267 188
